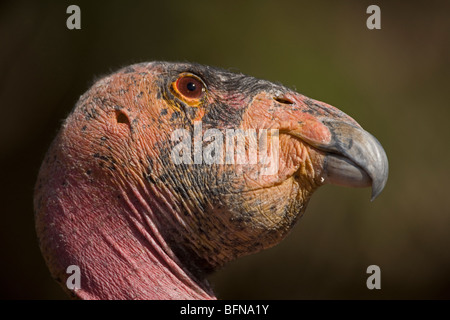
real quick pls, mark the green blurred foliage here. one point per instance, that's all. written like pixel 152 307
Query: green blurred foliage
pixel 393 81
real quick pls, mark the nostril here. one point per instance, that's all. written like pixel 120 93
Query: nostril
pixel 282 100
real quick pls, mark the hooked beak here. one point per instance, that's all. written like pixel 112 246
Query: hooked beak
pixel 354 157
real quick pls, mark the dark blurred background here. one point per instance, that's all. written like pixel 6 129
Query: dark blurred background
pixel 393 81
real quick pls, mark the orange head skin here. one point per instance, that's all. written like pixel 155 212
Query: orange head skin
pixel 110 198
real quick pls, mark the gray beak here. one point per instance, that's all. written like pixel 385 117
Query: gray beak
pixel 354 158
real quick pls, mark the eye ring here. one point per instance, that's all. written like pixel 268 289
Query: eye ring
pixel 189 88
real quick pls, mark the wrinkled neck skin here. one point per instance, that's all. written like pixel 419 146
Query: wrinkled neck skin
pixel 110 199
pixel 109 233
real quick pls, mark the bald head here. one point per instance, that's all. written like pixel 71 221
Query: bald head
pixel 165 172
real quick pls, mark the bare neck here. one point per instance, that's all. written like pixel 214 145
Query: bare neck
pixel 109 234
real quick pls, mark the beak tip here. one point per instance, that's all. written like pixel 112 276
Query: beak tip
pixel 379 184
pixel 375 194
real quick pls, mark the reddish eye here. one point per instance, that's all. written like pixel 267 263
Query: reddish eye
pixel 190 87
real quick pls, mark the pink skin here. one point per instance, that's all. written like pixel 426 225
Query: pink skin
pixel 112 243
pixel 80 214
pixel 109 201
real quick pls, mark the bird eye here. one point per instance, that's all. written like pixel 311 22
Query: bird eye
pixel 190 87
